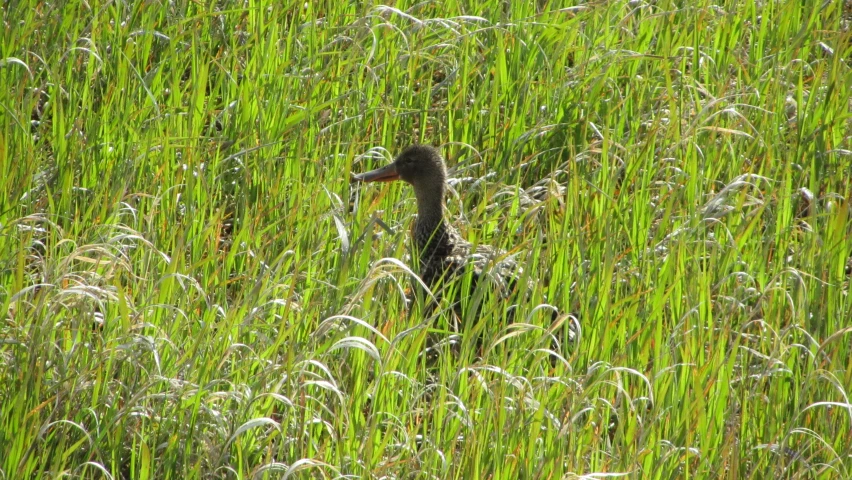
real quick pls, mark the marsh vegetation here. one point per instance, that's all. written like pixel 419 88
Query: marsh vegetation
pixel 190 287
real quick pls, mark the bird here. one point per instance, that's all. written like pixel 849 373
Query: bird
pixel 442 252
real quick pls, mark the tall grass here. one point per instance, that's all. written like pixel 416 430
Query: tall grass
pixel 190 288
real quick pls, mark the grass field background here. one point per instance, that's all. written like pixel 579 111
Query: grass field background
pixel 190 288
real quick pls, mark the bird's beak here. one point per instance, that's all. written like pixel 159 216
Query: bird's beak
pixel 387 173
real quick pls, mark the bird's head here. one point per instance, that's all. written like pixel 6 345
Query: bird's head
pixel 418 165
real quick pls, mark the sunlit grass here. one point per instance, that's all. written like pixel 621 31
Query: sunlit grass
pixel 190 288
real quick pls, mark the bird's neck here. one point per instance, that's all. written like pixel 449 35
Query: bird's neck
pixel 431 231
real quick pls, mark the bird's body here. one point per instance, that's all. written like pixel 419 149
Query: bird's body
pixel 441 251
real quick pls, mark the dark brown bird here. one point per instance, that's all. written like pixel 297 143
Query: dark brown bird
pixel 442 251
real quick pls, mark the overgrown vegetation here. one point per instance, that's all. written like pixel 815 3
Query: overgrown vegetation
pixel 190 288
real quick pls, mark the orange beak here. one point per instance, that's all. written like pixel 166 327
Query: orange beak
pixel 387 173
